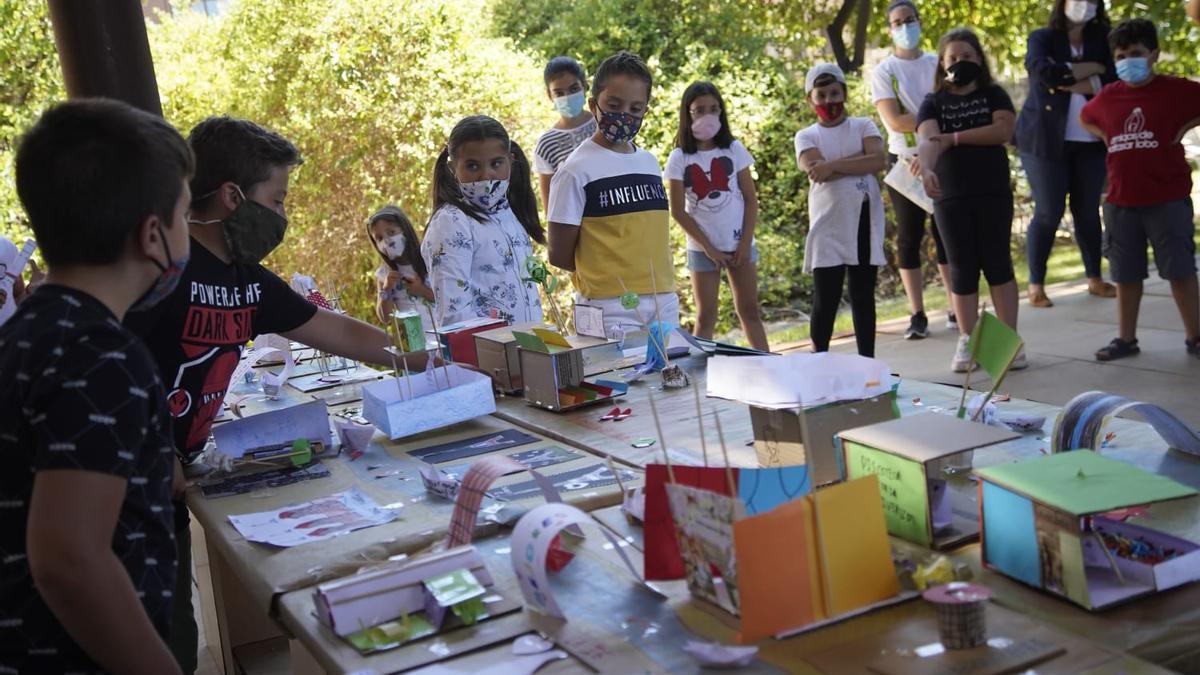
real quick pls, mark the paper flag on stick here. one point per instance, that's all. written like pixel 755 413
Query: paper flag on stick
pixel 1081 423
pixel 531 544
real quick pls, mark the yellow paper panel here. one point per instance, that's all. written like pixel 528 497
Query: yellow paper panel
pixel 855 554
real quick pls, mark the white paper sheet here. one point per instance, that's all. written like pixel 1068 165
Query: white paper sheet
pixel 316 520
pixel 797 380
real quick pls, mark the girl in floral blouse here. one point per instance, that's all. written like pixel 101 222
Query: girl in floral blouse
pixel 484 216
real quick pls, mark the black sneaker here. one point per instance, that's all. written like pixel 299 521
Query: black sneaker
pixel 952 322
pixel 1193 346
pixel 918 327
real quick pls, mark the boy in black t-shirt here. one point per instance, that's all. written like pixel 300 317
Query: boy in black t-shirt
pixel 226 298
pixel 86 460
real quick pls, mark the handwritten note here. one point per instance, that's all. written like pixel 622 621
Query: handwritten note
pixel 902 487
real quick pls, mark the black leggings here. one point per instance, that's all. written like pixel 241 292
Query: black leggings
pixel 910 230
pixel 977 232
pixel 827 294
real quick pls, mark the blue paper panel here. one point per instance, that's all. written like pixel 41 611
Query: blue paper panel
pixel 764 489
pixel 1009 535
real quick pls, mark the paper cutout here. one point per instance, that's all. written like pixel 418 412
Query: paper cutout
pixel 715 655
pixel 589 320
pixel 266 347
pixel 535 458
pixel 354 437
pixel 711 347
pixel 1010 539
pixel 857 559
pixel 1081 423
pixel 588 477
pixel 797 379
pixel 902 180
pixel 656 353
pixel 902 488
pixel 274 428
pixel 454 591
pixel 663 560
pixel 273 478
pixel 994 345
pixel 530 341
pixel 704 524
pixel 1084 482
pixel 470 447
pixel 531 542
pixel 438 483
pixel 764 489
pixel 552 338
pixel 312 521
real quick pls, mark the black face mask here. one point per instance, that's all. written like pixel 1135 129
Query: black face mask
pixel 963 73
pixel 252 231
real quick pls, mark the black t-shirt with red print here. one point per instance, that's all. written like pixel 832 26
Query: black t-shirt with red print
pixel 198 332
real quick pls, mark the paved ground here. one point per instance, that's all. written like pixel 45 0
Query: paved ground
pixel 1060 342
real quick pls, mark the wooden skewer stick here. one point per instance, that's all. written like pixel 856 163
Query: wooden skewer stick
pixel 1112 562
pixel 396 371
pixel 407 378
pixel 616 475
pixel 700 423
pixel 437 335
pixel 725 454
pixel 661 440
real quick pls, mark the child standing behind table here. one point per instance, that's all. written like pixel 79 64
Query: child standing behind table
pixel 402 279
pixel 841 156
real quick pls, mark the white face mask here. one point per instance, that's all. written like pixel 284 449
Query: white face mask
pixel 393 246
pixel 1080 11
pixel 489 195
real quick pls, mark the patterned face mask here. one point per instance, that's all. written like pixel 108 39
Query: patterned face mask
pixel 393 246
pixel 618 127
pixel 489 195
pixel 165 284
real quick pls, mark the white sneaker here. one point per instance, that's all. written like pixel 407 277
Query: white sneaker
pixel 962 361
pixel 1020 362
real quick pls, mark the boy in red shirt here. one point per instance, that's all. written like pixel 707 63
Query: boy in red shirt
pixel 1142 119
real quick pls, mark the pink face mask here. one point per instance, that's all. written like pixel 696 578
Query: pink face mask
pixel 705 127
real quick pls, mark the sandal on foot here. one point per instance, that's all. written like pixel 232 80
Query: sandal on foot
pixel 1117 349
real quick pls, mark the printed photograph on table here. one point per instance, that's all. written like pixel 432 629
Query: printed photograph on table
pixel 470 447
pixel 313 521
pixel 588 477
pixel 536 458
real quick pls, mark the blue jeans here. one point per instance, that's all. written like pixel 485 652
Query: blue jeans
pixel 1080 173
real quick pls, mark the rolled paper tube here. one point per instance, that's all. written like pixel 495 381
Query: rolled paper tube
pixel 961 613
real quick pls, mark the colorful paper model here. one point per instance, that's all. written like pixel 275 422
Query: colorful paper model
pixel 908 455
pixel 789 436
pixel 496 355
pixel 274 431
pixel 837 560
pixel 404 601
pixel 410 336
pixel 552 370
pixel 457 340
pixel 1081 423
pixel 433 399
pixel 1061 523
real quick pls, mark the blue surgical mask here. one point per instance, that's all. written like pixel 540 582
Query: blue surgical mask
pixel 907 36
pixel 1133 69
pixel 570 105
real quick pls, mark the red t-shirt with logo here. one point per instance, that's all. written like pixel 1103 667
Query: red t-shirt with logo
pixel 1146 164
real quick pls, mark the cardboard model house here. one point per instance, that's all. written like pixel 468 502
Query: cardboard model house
pixel 791 436
pixel 424 592
pixel 908 455
pixel 457 340
pixel 435 398
pixel 553 372
pixel 496 355
pixel 1088 528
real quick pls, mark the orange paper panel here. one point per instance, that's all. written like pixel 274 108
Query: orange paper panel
pixel 773 584
pixel 856 557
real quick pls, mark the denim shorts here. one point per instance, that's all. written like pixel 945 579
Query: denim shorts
pixel 698 262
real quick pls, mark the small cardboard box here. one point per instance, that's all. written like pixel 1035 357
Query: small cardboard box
pixel 411 336
pixel 457 340
pixel 1062 523
pixel 786 437
pixel 496 355
pixel 908 454
pixel 399 411
pixel 553 372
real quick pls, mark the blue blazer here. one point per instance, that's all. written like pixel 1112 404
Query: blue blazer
pixel 1042 124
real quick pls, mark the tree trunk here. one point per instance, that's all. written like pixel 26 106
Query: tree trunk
pixel 850 62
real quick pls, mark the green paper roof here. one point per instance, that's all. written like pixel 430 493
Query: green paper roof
pixel 1081 482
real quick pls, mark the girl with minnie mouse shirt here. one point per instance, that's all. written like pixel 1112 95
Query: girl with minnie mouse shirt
pixel 713 199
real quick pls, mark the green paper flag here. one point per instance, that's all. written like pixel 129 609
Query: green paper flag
pixel 994 345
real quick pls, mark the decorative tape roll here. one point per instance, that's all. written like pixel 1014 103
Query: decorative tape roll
pixel 961 613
